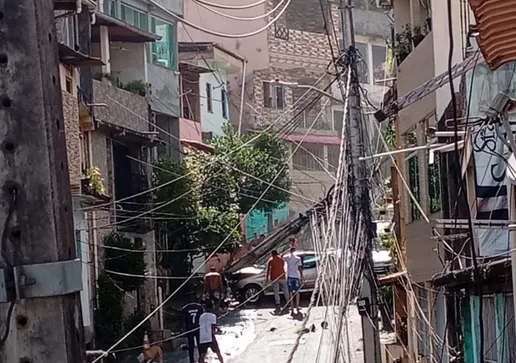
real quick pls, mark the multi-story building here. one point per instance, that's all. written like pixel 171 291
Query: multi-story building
pixel 74 68
pixel 299 48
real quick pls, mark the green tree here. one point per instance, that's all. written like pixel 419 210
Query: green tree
pixel 125 257
pixel 109 316
pixel 257 166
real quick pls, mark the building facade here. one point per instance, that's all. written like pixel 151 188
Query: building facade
pixel 299 48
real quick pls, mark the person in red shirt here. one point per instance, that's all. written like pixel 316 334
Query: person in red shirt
pixel 276 274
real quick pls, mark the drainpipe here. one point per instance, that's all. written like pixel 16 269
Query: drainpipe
pixel 242 95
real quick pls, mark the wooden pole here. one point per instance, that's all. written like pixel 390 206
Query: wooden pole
pixel 35 201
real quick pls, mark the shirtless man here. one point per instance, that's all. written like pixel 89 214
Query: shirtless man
pixel 213 288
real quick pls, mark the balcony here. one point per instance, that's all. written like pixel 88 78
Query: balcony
pixel 126 111
pixel 414 70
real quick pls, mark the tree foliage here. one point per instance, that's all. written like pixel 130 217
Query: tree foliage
pixel 258 167
pixel 125 257
pixel 201 195
pixel 110 313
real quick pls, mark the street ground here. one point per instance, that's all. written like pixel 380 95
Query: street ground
pixel 255 335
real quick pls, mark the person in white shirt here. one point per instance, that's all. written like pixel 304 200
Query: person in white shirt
pixel 294 277
pixel 207 328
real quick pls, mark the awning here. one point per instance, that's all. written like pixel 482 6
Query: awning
pixel 76 59
pixel 198 145
pixel 496 25
pixel 427 88
pixel 392 278
pixel 120 31
pixel 126 133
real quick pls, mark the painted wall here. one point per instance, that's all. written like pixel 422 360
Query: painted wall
pixel 213 121
pixel 253 48
pixel 256 222
pixel 189 130
pixel 81 240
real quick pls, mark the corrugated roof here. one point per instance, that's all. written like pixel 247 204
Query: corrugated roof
pixel 496 23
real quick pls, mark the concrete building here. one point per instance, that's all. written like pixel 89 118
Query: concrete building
pixel 421 54
pixel 297 48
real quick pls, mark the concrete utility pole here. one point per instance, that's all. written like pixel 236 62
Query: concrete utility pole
pixel 40 277
pixel 356 131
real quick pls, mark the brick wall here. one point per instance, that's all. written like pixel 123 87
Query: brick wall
pixel 124 109
pixel 72 133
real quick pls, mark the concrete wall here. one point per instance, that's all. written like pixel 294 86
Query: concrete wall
pixel 190 130
pixel 165 90
pixel 213 121
pixel 124 109
pixel 254 48
pixel 128 61
pixel 412 72
pixel 72 134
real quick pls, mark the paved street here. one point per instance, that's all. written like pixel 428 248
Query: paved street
pixel 257 336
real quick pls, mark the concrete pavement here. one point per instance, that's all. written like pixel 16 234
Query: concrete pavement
pixel 257 336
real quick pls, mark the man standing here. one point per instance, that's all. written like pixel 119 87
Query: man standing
pixel 191 315
pixel 207 327
pixel 294 277
pixel 276 274
pixel 213 288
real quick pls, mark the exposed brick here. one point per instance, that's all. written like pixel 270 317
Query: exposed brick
pixel 72 133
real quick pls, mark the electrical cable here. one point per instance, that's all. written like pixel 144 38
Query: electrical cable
pixel 478 276
pixel 160 306
pixel 258 17
pixel 223 35
pixel 231 7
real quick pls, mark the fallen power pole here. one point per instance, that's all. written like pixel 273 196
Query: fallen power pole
pixel 355 132
pixel 40 277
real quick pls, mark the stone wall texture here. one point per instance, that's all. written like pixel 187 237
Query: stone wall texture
pixel 73 140
pixel 124 109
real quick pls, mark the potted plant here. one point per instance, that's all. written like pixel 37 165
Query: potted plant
pixel 417 36
pixel 92 181
pixel 403 44
pixel 138 87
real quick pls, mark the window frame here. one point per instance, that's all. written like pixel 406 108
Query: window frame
pixel 141 15
pixel 273 95
pixel 172 43
pixel 209 97
pixel 111 8
pixel 224 103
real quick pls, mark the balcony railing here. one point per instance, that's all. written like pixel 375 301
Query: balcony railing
pixel 133 215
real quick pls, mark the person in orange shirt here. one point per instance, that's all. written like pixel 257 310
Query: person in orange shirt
pixel 276 274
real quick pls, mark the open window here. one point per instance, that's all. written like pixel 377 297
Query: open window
pixel 273 96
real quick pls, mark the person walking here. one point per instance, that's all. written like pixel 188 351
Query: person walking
pixel 276 274
pixel 213 288
pixel 207 328
pixel 191 314
pixel 294 277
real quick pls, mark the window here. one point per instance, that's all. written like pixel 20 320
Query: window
pixel 308 157
pixel 434 184
pixel 333 157
pixel 224 103
pixel 338 119
pixel 209 101
pixel 363 62
pixel 379 57
pixel 68 84
pixel 136 18
pixel 163 50
pixel 273 96
pixel 310 261
pixel 110 7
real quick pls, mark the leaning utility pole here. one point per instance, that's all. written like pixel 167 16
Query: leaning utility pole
pixel 371 340
pixel 40 277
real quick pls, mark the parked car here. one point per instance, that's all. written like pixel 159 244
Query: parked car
pixel 249 282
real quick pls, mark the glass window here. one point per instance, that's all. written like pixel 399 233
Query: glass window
pixel 308 157
pixel 209 101
pixel 310 261
pixel 163 50
pixel 78 243
pixel 434 184
pixel 363 62
pixel 136 18
pixel 110 7
pixel 379 57
pixel 224 102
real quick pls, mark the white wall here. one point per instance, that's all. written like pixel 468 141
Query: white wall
pixel 213 121
pixel 441 42
pixel 80 226
pixel 254 48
